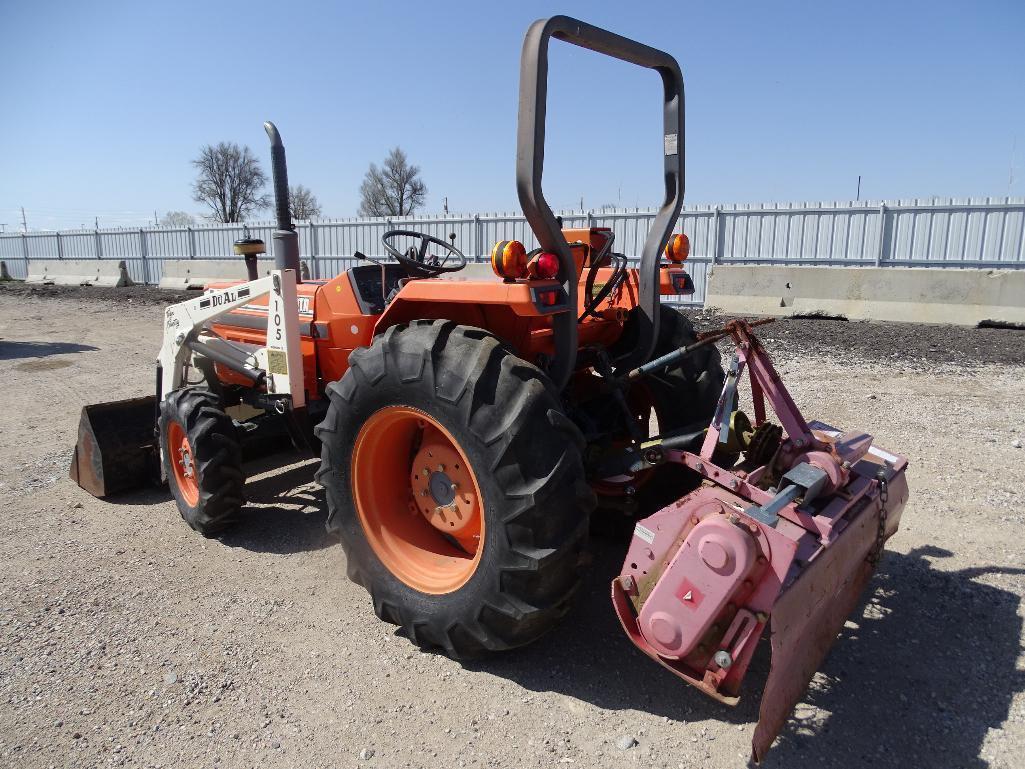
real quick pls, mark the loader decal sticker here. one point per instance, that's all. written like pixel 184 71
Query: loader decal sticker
pixel 277 320
pixel 218 300
pixel 302 301
pixel 243 292
pixel 277 362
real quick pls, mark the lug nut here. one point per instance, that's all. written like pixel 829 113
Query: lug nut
pixel 723 659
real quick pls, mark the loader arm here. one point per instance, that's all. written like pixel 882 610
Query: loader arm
pixel 117 446
pixel 278 365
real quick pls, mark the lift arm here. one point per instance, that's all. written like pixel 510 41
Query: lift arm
pixel 277 366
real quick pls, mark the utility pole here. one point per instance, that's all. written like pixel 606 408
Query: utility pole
pixel 24 224
pixel 859 188
pixel 2 225
pixel 1010 166
pixel 446 204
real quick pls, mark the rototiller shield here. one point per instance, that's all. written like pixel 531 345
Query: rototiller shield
pixel 787 538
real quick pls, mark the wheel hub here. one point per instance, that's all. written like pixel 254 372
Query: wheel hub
pixel 182 465
pixel 443 489
pixel 424 519
pixel 185 460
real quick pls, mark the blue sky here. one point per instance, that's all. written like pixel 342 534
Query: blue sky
pixel 105 103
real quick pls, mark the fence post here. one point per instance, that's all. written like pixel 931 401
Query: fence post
pixel 142 254
pixel 881 246
pixel 98 245
pixel 192 243
pixel 477 238
pixel 60 246
pixel 590 220
pixel 314 272
pixel 24 251
pixel 717 236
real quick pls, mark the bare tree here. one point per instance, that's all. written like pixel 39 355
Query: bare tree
pixel 178 219
pixel 303 203
pixel 394 189
pixel 230 182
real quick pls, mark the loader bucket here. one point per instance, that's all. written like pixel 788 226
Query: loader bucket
pixel 116 449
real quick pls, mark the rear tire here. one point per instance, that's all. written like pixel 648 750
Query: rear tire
pixel 202 459
pixel 688 392
pixel 503 415
pixel 684 395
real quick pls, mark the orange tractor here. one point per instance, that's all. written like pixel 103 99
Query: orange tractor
pixel 470 417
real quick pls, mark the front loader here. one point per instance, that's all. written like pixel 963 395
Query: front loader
pixel 471 420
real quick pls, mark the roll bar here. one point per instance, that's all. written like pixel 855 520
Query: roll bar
pixel 530 155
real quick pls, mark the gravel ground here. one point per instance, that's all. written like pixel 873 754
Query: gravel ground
pixel 127 640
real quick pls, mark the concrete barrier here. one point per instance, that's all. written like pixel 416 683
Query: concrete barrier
pixel 903 294
pixel 78 272
pixel 183 274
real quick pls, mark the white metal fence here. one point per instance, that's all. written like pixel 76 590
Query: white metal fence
pixel 968 232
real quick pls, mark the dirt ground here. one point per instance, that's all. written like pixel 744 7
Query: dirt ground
pixel 128 640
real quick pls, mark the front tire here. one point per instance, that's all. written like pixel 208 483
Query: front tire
pixel 202 459
pixel 414 404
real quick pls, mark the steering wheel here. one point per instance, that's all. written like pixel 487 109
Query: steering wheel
pixel 420 264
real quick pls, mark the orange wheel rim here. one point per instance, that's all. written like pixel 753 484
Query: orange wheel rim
pixel 418 499
pixel 182 463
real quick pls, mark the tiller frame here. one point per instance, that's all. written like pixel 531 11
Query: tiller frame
pixel 789 544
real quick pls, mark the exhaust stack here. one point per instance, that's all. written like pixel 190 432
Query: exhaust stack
pixel 286 239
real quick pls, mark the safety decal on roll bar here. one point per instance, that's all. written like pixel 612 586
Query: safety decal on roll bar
pixel 671 144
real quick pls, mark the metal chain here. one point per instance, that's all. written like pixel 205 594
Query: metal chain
pixel 884 496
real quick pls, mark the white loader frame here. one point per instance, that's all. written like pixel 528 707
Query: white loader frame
pixel 280 360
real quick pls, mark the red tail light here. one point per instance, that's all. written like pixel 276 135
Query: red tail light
pixel 544 266
pixel 548 298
